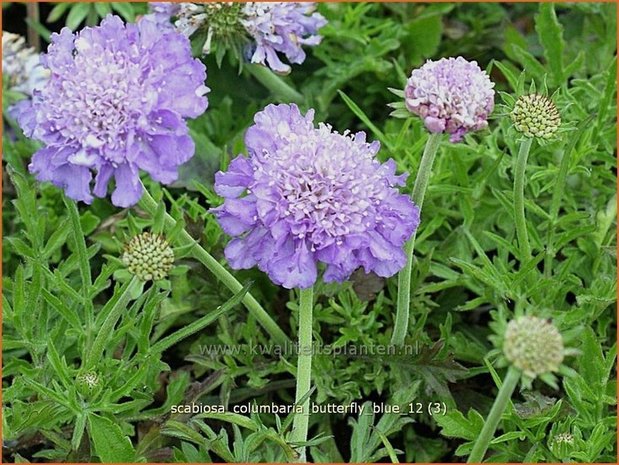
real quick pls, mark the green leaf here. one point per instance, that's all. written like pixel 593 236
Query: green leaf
pixel 550 33
pixel 37 26
pixel 233 418
pixel 103 9
pixel 125 10
pixel 424 37
pixel 109 442
pixel 455 425
pixel 77 15
pixel 363 117
pixel 594 368
pixel 78 430
pixel 57 12
pixel 200 324
pixel 58 364
pixel 531 64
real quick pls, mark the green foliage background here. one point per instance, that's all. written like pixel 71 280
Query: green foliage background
pixel 62 276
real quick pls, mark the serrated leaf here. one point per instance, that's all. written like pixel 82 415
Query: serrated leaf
pixel 550 33
pixel 109 442
pixel 455 425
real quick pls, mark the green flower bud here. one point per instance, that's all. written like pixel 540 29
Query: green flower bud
pixel 533 345
pixel 562 445
pixel 148 256
pixel 87 382
pixel 536 116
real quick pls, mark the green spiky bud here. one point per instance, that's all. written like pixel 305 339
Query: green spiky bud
pixel 87 382
pixel 536 116
pixel 148 256
pixel 533 345
pixel 562 445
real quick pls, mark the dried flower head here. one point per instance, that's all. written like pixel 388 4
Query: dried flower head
pixel 115 104
pixel 533 345
pixel 306 195
pixel 264 29
pixel 148 256
pixel 452 95
pixel 21 65
pixel 536 116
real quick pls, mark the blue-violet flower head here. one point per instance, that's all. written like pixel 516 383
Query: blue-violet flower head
pixel 451 95
pixel 308 194
pixel 268 29
pixel 281 27
pixel 114 104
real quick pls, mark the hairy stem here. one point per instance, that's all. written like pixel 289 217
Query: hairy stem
pixel 227 279
pixel 491 423
pixel 274 83
pixel 519 215
pixel 404 276
pixel 304 369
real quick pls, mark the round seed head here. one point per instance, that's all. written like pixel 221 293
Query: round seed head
pixel 148 256
pixel 533 345
pixel 536 116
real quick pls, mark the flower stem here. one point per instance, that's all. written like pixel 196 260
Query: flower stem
pixel 519 216
pixel 274 83
pixel 185 240
pixel 404 277
pixel 304 368
pixel 119 305
pixel 557 195
pixel 491 423
pixel 32 11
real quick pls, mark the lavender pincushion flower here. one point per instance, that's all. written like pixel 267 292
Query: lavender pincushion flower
pixel 266 28
pixel 281 27
pixel 115 104
pixel 452 95
pixel 307 195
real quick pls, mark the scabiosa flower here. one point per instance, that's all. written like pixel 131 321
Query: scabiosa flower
pixel 148 256
pixel 163 11
pixel 533 345
pixel 281 28
pixel 115 103
pixel 306 195
pixel 21 65
pixel 536 116
pixel 266 30
pixel 452 95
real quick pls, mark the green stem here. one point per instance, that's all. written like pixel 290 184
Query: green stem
pixel 557 196
pixel 185 240
pixel 105 331
pixel 404 277
pixel 198 325
pixel 274 83
pixel 304 369
pixel 500 403
pixel 519 216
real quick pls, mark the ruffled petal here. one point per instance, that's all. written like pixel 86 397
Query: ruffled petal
pixel 128 186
